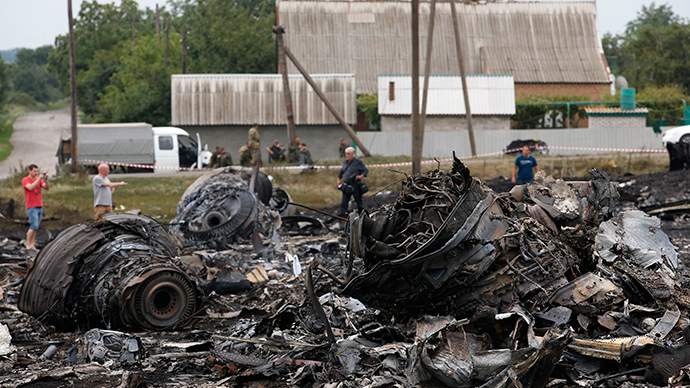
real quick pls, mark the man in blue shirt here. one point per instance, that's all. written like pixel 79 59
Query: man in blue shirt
pixel 352 172
pixel 523 167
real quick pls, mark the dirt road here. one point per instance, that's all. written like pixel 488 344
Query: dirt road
pixel 35 139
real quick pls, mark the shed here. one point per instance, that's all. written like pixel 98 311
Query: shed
pixel 222 107
pixel 615 117
pixel 492 101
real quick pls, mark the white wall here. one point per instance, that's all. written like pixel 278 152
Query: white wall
pixel 441 144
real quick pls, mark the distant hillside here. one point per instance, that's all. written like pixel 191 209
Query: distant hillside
pixel 9 55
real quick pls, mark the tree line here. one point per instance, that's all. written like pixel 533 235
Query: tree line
pixel 125 55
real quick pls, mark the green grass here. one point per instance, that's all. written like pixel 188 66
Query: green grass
pixel 70 199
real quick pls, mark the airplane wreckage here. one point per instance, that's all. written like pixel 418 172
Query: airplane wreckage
pixel 451 284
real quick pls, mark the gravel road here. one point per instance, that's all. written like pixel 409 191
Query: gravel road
pixel 36 138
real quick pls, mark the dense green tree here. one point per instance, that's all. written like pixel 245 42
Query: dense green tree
pixel 654 16
pixel 654 51
pixel 4 83
pixel 38 56
pixel 28 75
pixel 99 30
pixel 231 37
pixel 139 89
pixel 115 83
pixel 661 56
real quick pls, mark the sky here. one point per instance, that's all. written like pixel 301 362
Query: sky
pixel 35 23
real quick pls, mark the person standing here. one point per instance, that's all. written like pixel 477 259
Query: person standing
pixel 103 190
pixel 254 144
pixel 342 147
pixel 524 166
pixel 33 184
pixel 351 172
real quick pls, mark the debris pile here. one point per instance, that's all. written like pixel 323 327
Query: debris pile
pixel 119 273
pixel 219 209
pixel 450 285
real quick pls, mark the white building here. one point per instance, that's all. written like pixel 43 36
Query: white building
pixel 492 102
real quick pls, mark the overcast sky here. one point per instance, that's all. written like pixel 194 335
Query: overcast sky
pixel 34 23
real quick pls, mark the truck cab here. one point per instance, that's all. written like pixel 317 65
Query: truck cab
pixel 173 148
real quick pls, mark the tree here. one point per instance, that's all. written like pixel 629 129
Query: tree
pixel 661 56
pixel 654 16
pixel 655 50
pixel 100 30
pixel 29 75
pixel 4 83
pixel 139 88
pixel 231 37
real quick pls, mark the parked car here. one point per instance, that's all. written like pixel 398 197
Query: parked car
pixel 677 142
pixel 535 146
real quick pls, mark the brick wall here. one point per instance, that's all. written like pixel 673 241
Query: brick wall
pixel 595 92
pixel 617 121
pixel 445 123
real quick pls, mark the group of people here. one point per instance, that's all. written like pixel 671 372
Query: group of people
pixel 35 182
pixel 349 179
pixel 297 152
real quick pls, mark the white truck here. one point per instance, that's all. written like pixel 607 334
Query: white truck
pixel 136 146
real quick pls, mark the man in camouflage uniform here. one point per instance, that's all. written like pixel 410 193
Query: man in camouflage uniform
pixel 245 156
pixel 224 158
pixel 214 158
pixel 341 149
pixel 254 144
pixel 304 156
pixel 293 150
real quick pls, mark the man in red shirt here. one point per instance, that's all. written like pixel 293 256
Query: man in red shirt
pixel 34 201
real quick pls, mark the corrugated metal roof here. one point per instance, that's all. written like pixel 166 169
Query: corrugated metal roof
pixel 552 42
pixel 608 110
pixel 239 99
pixel 489 95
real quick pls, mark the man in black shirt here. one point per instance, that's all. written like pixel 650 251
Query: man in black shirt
pixel 351 173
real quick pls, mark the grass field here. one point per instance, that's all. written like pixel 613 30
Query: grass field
pixel 70 199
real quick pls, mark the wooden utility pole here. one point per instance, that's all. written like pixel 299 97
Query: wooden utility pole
pixel 458 48
pixel 417 134
pixel 134 33
pixel 287 96
pixel 158 24
pixel 72 89
pixel 427 65
pixel 184 49
pixel 167 42
pixel 330 107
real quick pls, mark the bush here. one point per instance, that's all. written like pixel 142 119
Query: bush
pixel 547 116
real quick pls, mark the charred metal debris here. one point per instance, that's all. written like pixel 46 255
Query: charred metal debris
pixel 119 273
pixel 452 284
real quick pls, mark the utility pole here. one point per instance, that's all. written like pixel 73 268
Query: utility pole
pixel 72 89
pixel 184 49
pixel 323 98
pixel 427 65
pixel 158 23
pixel 134 33
pixel 287 96
pixel 458 47
pixel 167 42
pixel 417 133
